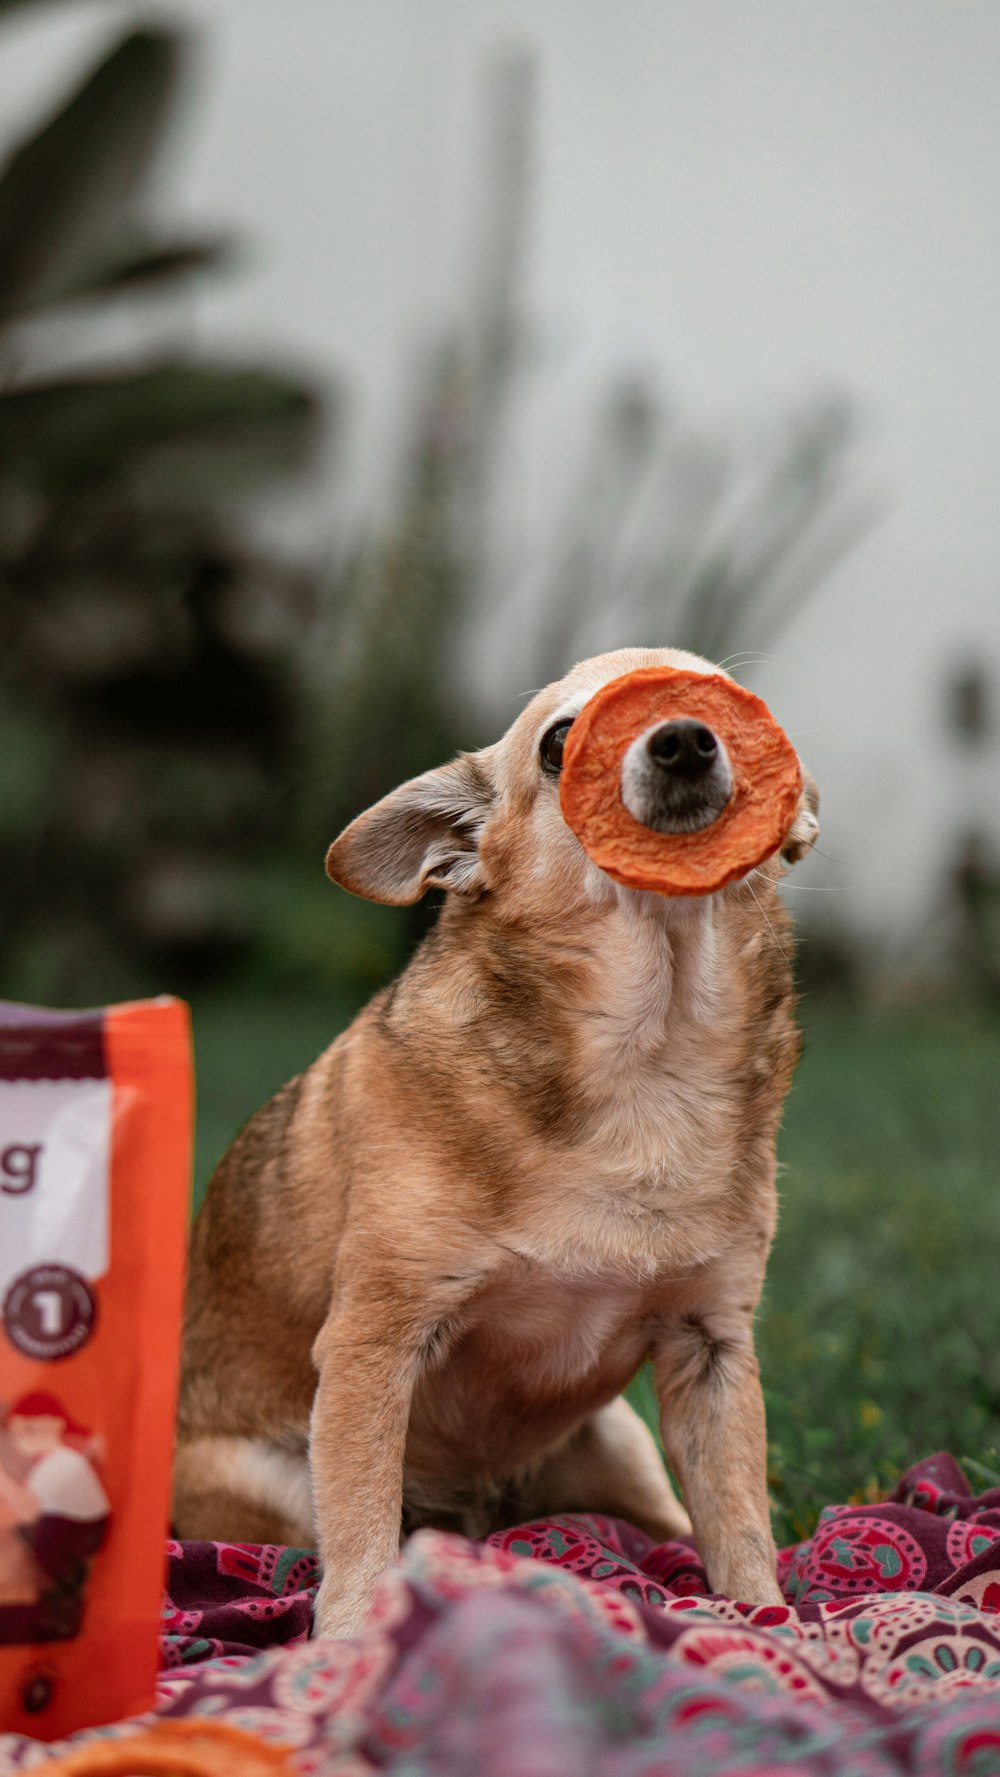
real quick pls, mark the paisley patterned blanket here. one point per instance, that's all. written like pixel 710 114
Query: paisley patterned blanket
pixel 576 1645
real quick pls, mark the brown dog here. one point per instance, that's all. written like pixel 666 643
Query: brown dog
pixel 544 1154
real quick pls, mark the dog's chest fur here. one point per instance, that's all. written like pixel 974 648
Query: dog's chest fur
pixel 536 1352
pixel 651 1088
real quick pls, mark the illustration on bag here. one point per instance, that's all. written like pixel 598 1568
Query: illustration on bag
pixel 53 1516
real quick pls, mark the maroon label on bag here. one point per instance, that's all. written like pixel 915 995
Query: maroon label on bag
pixel 41 1045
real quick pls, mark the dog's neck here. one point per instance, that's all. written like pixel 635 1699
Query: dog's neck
pixel 664 951
pixel 613 1032
pixel 618 969
pixel 608 1029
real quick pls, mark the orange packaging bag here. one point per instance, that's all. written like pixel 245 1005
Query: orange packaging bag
pixel 95 1157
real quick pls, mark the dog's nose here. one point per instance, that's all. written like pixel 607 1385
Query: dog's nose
pixel 683 747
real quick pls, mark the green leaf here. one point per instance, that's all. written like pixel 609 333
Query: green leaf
pixel 63 192
pixel 143 267
pixel 981 1471
pixel 171 431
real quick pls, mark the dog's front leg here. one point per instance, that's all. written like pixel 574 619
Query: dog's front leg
pixel 367 1363
pixel 712 1425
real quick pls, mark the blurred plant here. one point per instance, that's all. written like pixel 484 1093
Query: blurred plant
pixel 671 535
pixel 409 594
pixel 973 882
pixel 970 699
pixel 150 654
pixel 391 711
pixel 711 543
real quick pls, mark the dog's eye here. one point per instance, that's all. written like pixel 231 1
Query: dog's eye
pixel 551 750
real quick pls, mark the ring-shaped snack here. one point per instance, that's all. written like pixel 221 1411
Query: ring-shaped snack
pixel 767 782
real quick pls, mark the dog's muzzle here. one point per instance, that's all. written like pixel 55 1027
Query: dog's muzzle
pixel 676 777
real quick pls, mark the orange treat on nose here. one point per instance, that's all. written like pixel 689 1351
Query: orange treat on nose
pixel 767 782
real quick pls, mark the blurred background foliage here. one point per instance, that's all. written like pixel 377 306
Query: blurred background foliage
pixel 190 709
pixel 189 714
pixel 151 651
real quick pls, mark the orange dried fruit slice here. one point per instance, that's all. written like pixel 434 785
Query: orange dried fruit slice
pixel 189 1747
pixel 767 782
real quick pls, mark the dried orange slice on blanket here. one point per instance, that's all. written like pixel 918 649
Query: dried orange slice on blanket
pixel 189 1747
pixel 766 780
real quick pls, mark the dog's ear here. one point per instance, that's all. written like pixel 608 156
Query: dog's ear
pixel 804 830
pixel 424 835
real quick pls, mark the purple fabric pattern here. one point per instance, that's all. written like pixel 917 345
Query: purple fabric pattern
pixel 577 1645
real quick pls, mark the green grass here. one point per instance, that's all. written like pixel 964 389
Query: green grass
pixel 879 1335
pixel 246 1046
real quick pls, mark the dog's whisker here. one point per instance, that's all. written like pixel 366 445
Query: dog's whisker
pixel 782 952
pixel 747 658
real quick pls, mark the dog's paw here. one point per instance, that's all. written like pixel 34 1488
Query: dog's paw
pixel 804 830
pixel 338 1613
pixel 766 1592
pixel 750 1583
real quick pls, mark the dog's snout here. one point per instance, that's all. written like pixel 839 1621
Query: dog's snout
pixel 676 776
pixel 685 747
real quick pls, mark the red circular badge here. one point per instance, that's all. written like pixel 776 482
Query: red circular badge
pixel 49 1311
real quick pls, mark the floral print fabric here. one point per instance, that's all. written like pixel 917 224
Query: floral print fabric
pixel 577 1645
